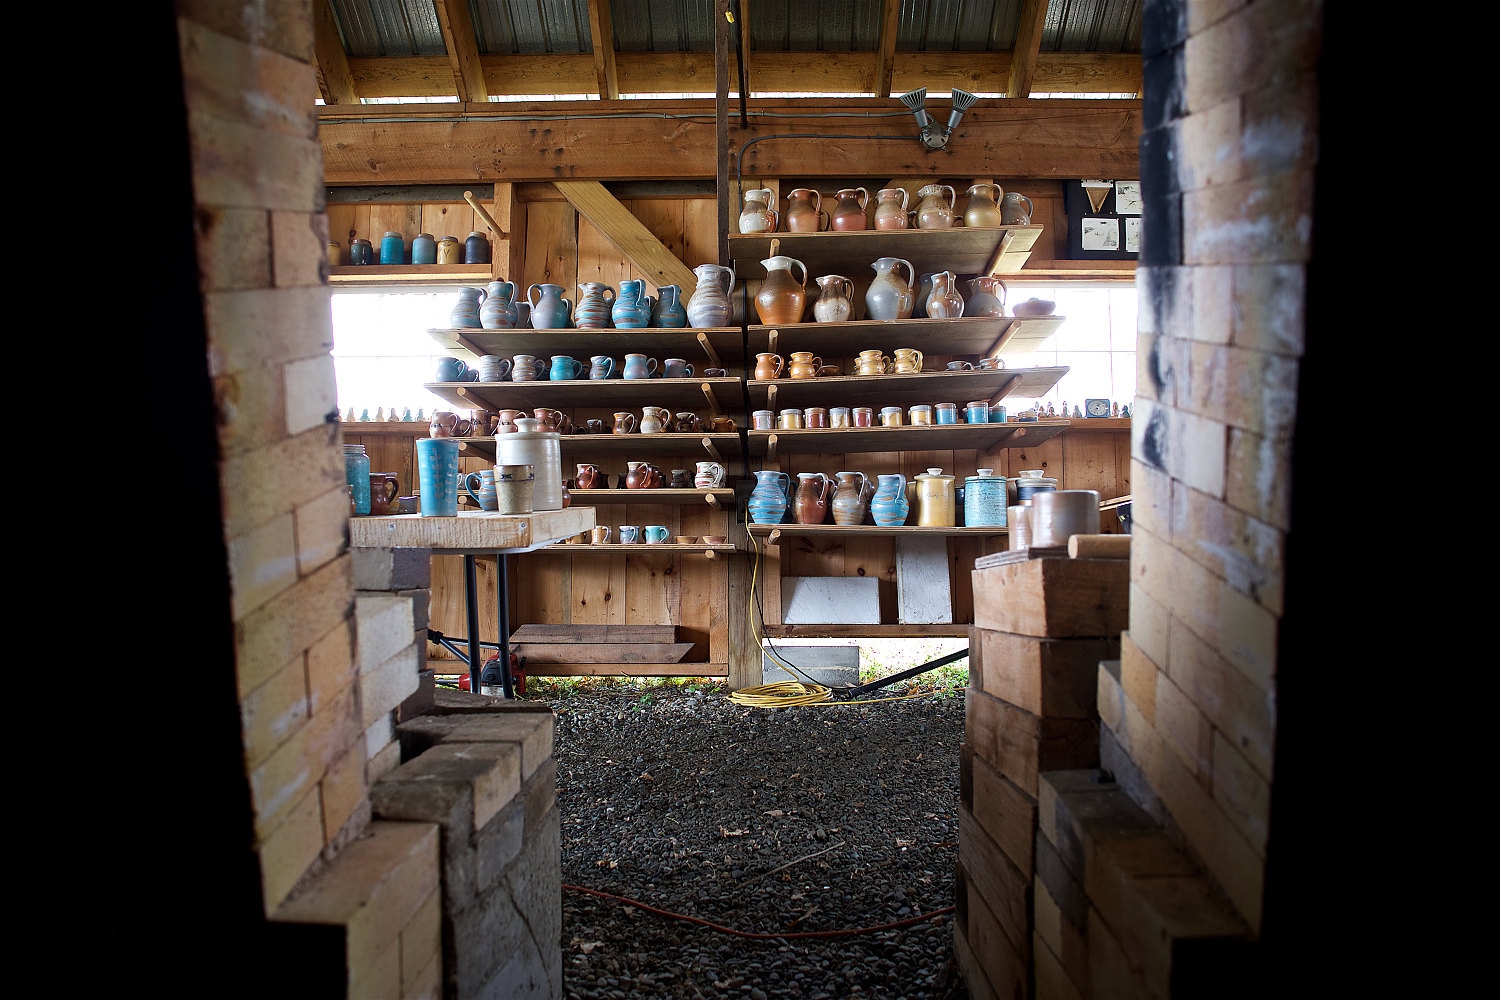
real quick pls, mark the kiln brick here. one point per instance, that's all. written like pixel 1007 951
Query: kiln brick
pixel 1055 598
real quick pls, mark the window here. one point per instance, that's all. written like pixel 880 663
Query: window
pixel 382 353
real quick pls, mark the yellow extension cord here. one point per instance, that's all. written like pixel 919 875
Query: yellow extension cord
pixel 785 694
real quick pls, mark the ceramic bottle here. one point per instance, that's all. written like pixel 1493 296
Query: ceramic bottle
pixel 983 208
pixel 499 309
pixel 768 500
pixel 708 306
pixel 667 311
pixel 849 214
pixel 782 297
pixel 851 498
pixel 935 207
pixel 890 208
pixel 466 312
pixel 549 309
pixel 594 301
pixel 890 295
pixel 758 216
pixel 810 503
pixel 889 505
pixel 835 302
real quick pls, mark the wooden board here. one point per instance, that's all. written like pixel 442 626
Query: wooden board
pixel 601 652
pixel 594 633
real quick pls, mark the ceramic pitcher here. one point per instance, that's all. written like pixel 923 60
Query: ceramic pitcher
pixel 708 306
pixel 667 312
pixel 935 206
pixel 768 366
pixel 889 505
pixel 849 214
pixel 851 497
pixel 499 309
pixel 835 302
pixel 983 208
pixel 890 208
pixel 768 501
pixel 986 296
pixel 465 313
pixel 945 302
pixel 1016 209
pixel 804 211
pixel 594 301
pixel 782 297
pixel 632 307
pixel 549 309
pixel 709 475
pixel 890 295
pixel 758 216
pixel 810 502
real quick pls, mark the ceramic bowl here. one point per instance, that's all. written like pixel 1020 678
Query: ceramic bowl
pixel 714 539
pixel 687 539
pixel 1034 307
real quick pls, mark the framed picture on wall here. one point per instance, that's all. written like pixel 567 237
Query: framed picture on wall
pixel 1104 219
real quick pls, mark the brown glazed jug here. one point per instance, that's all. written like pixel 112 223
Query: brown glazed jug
pixel 945 301
pixel 849 214
pixel 804 211
pixel 782 297
pixel 851 497
pixel 810 502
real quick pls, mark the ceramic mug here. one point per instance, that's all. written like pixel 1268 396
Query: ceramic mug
pixel 437 476
pixel 384 488
pixel 505 421
pixel 601 367
pixel 676 368
pixel 629 534
pixel 656 534
pixel 600 534
pixel 624 422
pixel 481 488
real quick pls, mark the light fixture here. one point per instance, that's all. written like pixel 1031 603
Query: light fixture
pixel 930 137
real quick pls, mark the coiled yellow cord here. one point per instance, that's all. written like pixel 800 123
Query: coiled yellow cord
pixel 785 694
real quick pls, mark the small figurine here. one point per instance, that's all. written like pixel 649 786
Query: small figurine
pixel 1051 412
pixel 379 414
pixel 349 417
pixel 1077 413
pixel 364 414
pixel 1114 410
pixel 421 417
pixel 406 415
pixel 1125 411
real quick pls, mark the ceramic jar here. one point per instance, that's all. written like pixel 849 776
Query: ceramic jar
pixel 890 295
pixel 986 296
pixel 984 499
pixel 810 502
pixel 935 499
pixel 890 208
pixel 768 366
pixel 632 308
pixel 594 301
pixel 709 475
pixel 477 251
pixel 644 476
pixel 499 309
pixel 550 310
pixel 450 251
pixel 708 306
pixel 945 302
pixel 758 216
pixel 851 497
pixel 848 214
pixel 804 211
pixel 667 312
pixel 935 206
pixel 889 505
pixel 423 249
pixel 768 500
pixel 983 208
pixel 529 445
pixel 466 313
pixel 392 249
pixel 782 297
pixel 1016 209
pixel 361 251
pixel 835 303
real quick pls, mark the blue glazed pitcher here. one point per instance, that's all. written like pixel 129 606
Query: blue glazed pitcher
pixel 632 307
pixel 889 505
pixel 668 313
pixel 549 309
pixel 768 501
pixel 499 309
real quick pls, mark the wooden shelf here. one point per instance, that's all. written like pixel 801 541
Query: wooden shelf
pixel 902 390
pixel 986 438
pixel 634 548
pixel 665 494
pixel 716 395
pixel 411 274
pixel 945 631
pixel 771 532
pixel 710 347
pixel 705 447
pixel 964 251
pixel 973 337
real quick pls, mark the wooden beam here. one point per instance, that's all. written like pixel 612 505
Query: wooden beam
pixel 1029 24
pixel 335 79
pixel 775 72
pixel 457 26
pixel 639 245
pixel 675 140
pixel 602 36
pixel 885 49
pixel 722 27
pixel 742 11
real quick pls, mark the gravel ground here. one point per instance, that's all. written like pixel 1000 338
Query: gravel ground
pixel 778 822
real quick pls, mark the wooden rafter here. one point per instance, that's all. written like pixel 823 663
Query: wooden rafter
pixel 1023 64
pixel 602 36
pixel 885 50
pixel 335 79
pixel 457 26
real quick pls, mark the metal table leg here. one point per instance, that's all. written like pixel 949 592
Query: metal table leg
pixel 471 612
pixel 502 570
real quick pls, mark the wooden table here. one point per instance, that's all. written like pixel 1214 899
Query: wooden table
pixel 475 533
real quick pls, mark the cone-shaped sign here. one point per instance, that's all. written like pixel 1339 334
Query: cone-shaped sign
pixel 1097 192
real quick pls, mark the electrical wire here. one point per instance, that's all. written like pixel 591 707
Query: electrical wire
pixel 759 934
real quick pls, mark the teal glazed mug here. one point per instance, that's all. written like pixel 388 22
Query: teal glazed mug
pixel 655 534
pixel 437 477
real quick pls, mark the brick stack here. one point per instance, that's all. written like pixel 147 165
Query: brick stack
pixel 1041 628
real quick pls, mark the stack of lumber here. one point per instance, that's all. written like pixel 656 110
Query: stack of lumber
pixel 537 644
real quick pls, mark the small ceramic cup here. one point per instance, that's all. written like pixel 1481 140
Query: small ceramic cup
pixel 629 534
pixel 656 534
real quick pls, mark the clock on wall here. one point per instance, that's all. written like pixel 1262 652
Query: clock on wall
pixel 1096 407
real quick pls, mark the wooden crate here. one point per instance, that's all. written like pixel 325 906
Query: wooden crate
pixel 1057 598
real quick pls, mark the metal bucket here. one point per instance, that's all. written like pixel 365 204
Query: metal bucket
pixel 1056 515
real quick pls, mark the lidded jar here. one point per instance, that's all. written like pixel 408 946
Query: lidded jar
pixel 392 248
pixel 936 499
pixel 450 251
pixel 984 499
pixel 477 251
pixel 423 249
pixel 529 445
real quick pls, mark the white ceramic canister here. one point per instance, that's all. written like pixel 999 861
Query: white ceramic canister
pixel 1057 515
pixel 542 450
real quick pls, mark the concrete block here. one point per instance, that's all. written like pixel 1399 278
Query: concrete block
pixel 833 666
pixel 924 595
pixel 395 568
pixel 383 628
pixel 830 600
pixel 384 687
